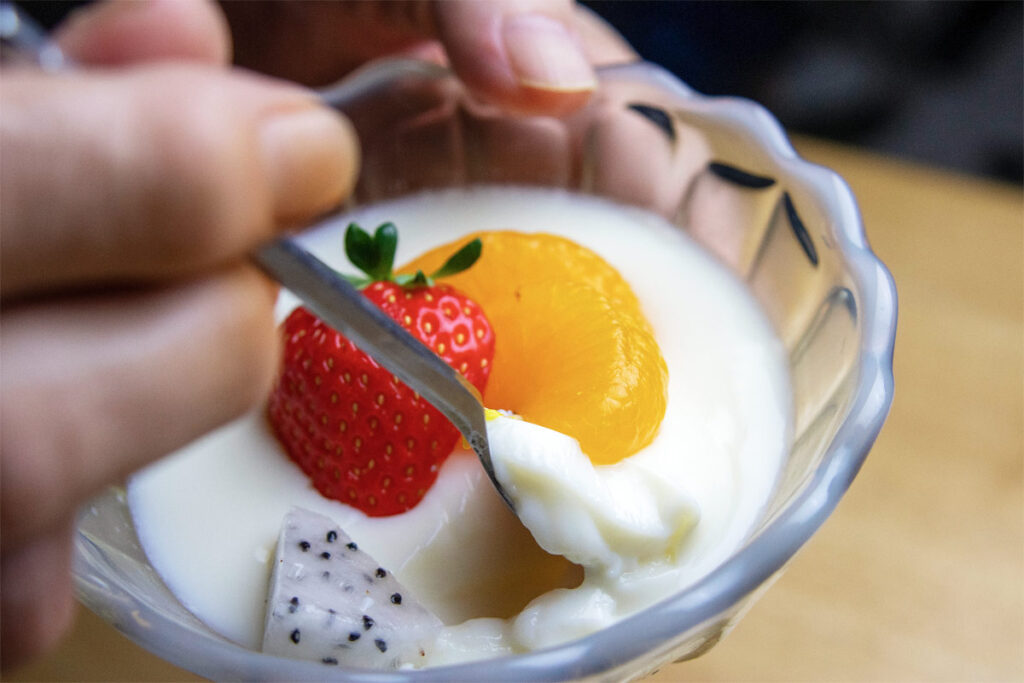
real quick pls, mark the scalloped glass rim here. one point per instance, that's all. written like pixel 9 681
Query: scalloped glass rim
pixel 616 652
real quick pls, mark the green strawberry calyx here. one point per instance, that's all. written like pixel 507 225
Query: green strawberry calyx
pixel 375 256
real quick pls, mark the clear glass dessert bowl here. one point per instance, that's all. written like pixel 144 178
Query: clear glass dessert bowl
pixel 722 170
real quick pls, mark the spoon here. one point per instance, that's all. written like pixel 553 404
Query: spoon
pixel 341 306
pixel 321 289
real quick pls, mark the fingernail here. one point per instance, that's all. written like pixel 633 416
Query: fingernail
pixel 545 55
pixel 311 158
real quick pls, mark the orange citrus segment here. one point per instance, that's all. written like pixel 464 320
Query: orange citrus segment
pixel 573 350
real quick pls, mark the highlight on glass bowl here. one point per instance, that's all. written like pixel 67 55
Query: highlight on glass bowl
pixel 685 344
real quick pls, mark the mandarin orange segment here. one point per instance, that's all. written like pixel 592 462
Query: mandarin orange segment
pixel 573 349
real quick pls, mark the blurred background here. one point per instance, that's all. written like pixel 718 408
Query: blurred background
pixel 936 82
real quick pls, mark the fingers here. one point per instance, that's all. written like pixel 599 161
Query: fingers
pixel 157 171
pixel 120 32
pixel 95 387
pixel 523 55
pixel 35 596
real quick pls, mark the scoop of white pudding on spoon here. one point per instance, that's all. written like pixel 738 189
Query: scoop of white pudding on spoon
pixel 613 518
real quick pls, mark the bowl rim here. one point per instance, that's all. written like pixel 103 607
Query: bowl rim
pixel 704 601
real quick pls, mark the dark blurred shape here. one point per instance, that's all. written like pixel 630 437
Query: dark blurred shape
pixel 936 82
pixel 48 13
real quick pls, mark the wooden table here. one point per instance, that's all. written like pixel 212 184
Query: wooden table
pixel 919 575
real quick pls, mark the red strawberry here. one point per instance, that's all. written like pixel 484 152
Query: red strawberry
pixel 362 436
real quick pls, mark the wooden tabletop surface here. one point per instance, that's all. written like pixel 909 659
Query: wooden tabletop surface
pixel 919 575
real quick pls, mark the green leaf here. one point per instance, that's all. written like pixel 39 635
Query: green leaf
pixel 361 249
pixel 460 260
pixel 386 240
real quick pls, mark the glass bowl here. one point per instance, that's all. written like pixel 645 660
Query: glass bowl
pixel 723 171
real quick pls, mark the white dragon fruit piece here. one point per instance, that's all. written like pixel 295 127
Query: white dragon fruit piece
pixel 330 602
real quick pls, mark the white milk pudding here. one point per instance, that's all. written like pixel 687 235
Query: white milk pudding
pixel 606 540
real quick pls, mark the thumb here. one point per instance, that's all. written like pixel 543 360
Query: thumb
pixel 523 55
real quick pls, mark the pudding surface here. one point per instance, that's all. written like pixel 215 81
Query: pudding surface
pixel 208 516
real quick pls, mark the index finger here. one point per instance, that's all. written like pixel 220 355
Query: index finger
pixel 157 171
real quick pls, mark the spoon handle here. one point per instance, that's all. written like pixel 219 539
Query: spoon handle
pixel 320 288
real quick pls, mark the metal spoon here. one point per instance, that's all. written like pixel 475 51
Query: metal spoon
pixel 342 307
pixel 320 288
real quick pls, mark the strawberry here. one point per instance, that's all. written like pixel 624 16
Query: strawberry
pixel 362 436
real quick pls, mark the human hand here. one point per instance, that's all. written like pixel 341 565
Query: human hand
pixel 131 322
pixel 131 195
